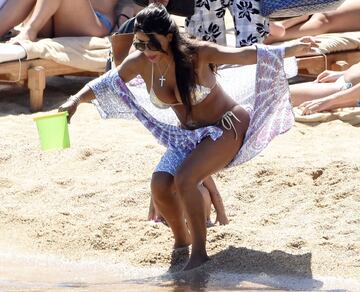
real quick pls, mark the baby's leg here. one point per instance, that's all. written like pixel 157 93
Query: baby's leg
pixel 207 201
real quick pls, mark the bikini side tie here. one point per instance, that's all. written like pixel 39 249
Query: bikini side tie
pixel 228 123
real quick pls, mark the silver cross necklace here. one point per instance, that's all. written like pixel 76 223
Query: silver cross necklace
pixel 162 78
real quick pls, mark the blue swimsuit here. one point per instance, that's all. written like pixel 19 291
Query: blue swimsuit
pixel 104 20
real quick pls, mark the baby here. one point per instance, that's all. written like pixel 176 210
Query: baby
pixel 210 195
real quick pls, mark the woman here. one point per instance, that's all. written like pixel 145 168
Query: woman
pixel 344 18
pixel 330 90
pixel 57 18
pixel 179 75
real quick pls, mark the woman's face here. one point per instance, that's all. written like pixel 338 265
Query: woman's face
pixel 150 46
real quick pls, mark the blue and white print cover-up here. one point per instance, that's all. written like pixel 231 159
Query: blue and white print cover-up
pixel 261 89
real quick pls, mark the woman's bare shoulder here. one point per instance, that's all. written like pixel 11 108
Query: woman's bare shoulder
pixel 132 66
pixel 134 59
pixel 205 49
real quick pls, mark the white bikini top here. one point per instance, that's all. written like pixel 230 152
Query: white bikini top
pixel 200 93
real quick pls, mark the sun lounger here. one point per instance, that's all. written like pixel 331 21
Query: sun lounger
pixel 55 57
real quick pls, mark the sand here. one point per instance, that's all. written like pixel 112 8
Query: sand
pixel 293 210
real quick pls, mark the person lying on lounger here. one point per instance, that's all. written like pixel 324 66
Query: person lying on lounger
pixel 330 90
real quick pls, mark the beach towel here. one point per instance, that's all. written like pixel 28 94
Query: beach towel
pixel 349 115
pixel 261 89
pixel 86 53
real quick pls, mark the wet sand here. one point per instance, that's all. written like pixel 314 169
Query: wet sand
pixel 49 273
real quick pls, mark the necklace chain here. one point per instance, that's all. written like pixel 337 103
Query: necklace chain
pixel 162 78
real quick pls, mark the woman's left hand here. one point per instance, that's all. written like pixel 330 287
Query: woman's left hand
pixel 317 105
pixel 303 46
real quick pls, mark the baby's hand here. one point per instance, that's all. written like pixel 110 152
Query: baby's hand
pixel 222 219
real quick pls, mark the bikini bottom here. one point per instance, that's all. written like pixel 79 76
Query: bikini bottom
pixel 104 20
pixel 174 157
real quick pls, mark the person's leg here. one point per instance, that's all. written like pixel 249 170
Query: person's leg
pixel 207 23
pixel 345 18
pixel 13 13
pixel 207 201
pixel 208 157
pixel 250 26
pixel 278 28
pixel 66 19
pixel 302 92
pixel 70 18
pixel 169 206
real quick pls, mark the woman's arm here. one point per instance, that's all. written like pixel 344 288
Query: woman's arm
pixel 344 98
pixel 216 54
pixel 126 70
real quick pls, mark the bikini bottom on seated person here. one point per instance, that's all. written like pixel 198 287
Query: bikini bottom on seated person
pixel 343 84
pixel 104 20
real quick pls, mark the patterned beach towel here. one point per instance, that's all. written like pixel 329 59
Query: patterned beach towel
pixel 262 89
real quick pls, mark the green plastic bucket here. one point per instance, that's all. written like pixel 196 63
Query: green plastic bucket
pixel 53 131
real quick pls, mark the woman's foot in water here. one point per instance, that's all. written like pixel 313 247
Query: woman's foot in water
pixel 196 260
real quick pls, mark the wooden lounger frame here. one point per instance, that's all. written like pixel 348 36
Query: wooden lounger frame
pixel 33 73
pixel 339 61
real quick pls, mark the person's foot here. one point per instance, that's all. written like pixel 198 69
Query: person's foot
pixel 276 29
pixel 182 244
pixel 24 34
pixel 196 260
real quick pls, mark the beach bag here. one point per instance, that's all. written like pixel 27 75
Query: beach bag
pixel 177 7
pixel 290 8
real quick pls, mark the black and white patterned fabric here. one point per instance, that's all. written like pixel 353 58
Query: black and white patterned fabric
pixel 208 23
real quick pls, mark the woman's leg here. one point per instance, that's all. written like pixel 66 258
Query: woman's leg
pixel 278 28
pixel 13 13
pixel 207 23
pixel 66 19
pixel 250 26
pixel 70 18
pixel 345 18
pixel 302 92
pixel 168 205
pixel 208 157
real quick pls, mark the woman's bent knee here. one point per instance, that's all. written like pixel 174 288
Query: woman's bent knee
pixel 184 180
pixel 161 185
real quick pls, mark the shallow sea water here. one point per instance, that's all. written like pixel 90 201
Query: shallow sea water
pixel 20 272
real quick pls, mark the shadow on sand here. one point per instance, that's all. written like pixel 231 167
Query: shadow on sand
pixel 230 268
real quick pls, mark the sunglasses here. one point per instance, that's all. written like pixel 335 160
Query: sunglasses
pixel 141 46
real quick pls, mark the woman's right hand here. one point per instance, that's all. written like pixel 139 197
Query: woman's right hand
pixel 328 76
pixel 70 106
